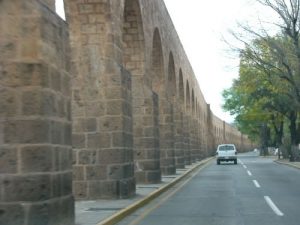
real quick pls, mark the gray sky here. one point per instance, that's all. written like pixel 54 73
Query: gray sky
pixel 200 25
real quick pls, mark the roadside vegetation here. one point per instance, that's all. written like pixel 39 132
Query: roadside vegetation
pixel 265 98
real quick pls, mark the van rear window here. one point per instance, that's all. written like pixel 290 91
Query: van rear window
pixel 226 147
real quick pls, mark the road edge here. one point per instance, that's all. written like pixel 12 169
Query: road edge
pixel 287 164
pixel 118 216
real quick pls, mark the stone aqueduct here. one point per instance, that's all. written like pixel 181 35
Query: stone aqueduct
pixel 104 100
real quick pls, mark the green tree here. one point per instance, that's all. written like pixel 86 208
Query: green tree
pixel 278 56
pixel 260 98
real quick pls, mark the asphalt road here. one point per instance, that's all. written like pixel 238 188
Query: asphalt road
pixel 257 191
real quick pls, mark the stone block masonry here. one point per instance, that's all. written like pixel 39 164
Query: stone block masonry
pixel 179 138
pixel 90 106
pixel 35 116
pixel 101 103
pixel 167 152
pixel 146 138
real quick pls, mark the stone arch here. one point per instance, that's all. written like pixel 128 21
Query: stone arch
pixel 187 96
pixel 157 63
pixel 193 129
pixel 133 39
pixel 171 85
pixel 178 121
pixel 181 87
pixel 193 102
pixel 160 85
pixel 144 101
pixel 111 96
pixel 187 124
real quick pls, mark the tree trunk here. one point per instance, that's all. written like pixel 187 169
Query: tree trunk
pixel 278 133
pixel 264 139
pixel 293 133
pixel 298 132
pixel 278 136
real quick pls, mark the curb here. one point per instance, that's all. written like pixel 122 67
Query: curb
pixel 287 164
pixel 117 217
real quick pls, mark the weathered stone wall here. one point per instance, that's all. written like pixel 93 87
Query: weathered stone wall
pixel 178 137
pixel 35 120
pixel 218 130
pixel 136 107
pixel 102 102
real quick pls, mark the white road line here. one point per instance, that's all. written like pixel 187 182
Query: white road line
pixel 273 206
pixel 245 166
pixel 256 183
pixel 249 173
pixel 241 162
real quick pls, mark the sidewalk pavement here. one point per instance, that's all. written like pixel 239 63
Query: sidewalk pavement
pixel 288 163
pixel 109 212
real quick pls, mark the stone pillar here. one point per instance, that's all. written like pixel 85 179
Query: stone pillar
pixel 179 138
pixel 205 134
pixel 186 133
pixel 166 131
pixel 210 133
pixel 192 139
pixel 191 135
pixel 35 127
pixel 200 139
pixel 146 134
pixel 197 147
pixel 101 103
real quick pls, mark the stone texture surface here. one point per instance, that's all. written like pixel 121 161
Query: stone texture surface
pixel 179 138
pixel 102 103
pixel 35 126
pixel 166 131
pixel 115 104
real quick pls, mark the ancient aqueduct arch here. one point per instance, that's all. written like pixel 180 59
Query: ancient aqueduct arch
pixel 99 102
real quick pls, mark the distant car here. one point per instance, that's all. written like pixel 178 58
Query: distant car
pixel 226 152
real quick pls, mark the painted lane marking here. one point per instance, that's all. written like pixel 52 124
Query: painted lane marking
pixel 245 166
pixel 256 183
pixel 249 173
pixel 273 206
pixel 241 162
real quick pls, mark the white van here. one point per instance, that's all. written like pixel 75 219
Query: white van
pixel 226 152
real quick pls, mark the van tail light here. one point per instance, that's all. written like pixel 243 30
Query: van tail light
pixel 235 152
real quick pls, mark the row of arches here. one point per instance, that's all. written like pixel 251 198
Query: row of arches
pixel 163 111
pixel 171 88
pixel 93 105
pixel 134 54
pixel 177 87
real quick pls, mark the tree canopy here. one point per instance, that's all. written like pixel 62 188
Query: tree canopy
pixel 267 92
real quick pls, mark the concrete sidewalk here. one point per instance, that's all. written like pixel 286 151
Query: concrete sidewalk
pixel 109 212
pixel 288 163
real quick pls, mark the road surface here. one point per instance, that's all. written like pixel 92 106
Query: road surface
pixel 256 191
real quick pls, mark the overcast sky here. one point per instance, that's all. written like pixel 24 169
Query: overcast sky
pixel 200 25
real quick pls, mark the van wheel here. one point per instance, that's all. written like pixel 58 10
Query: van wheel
pixel 218 162
pixel 235 161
